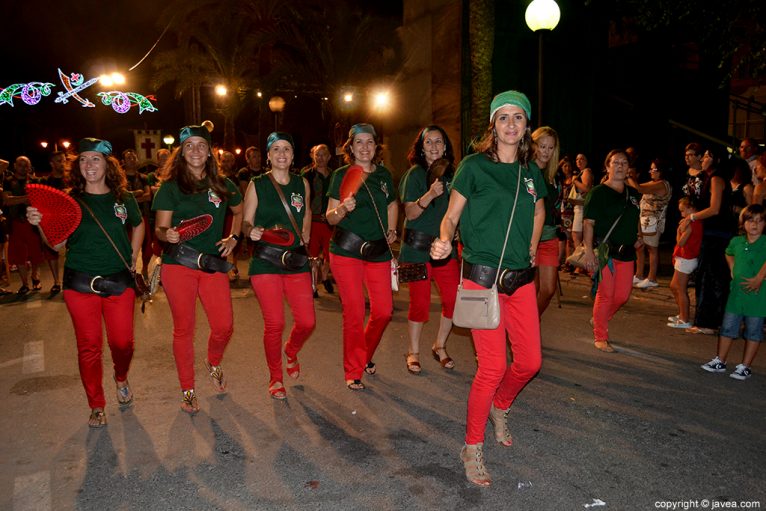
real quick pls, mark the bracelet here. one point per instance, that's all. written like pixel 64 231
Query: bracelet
pixel 691 217
pixel 417 202
pixel 236 237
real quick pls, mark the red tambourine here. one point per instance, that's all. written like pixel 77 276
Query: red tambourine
pixel 60 212
pixel 352 181
pixel 193 227
pixel 279 236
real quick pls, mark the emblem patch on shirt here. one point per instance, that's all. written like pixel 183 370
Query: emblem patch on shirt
pixel 384 188
pixel 529 184
pixel 296 201
pixel 635 202
pixel 214 198
pixel 121 212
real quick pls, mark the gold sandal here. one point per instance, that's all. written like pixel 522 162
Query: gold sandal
pixel 217 377
pixel 499 419
pixel 97 418
pixel 473 462
pixel 189 402
pixel 124 394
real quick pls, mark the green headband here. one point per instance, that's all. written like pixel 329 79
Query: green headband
pixel 362 127
pixel 279 135
pixel 510 97
pixel 95 144
pixel 195 131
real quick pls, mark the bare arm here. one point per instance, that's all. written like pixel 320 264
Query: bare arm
pixel 657 188
pixel 34 217
pixel 136 241
pixel 392 212
pixel 717 186
pixel 537 228
pixel 337 210
pixel 248 221
pixel 412 210
pixel 753 284
pixel 227 244
pixel 162 229
pixel 682 235
pixel 442 246
pixel 307 215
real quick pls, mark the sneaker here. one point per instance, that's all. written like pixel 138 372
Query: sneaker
pixel 679 324
pixel 636 280
pixel 646 284
pixel 716 366
pixel 673 319
pixel 741 372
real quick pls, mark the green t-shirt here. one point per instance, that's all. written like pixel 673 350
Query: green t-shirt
pixel 318 185
pixel 489 189
pixel 363 221
pixel 604 204
pixel 88 250
pixel 550 227
pixel 748 260
pixel 414 185
pixel 270 212
pixel 184 206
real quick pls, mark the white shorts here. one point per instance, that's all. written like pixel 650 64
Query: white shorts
pixel 686 266
pixel 577 220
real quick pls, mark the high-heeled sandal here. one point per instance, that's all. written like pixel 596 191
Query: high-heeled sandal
pixel 473 462
pixel 97 418
pixel 499 420
pixel 446 362
pixel 124 394
pixel 292 366
pixel 370 368
pixel 277 390
pixel 216 377
pixel 413 364
pixel 355 384
pixel 189 402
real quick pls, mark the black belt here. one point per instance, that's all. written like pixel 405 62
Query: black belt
pixel 196 260
pixel 319 218
pixel 280 257
pixel 508 282
pixel 418 240
pixel 351 242
pixel 102 285
pixel 621 252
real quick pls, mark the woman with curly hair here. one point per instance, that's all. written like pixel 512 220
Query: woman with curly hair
pixel 360 253
pixel 97 283
pixel 192 185
pixel 424 191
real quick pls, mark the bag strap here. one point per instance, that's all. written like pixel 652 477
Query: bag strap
pixel 627 196
pixel 507 231
pixel 98 222
pixel 380 220
pixel 278 188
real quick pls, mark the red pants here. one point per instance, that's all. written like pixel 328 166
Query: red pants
pixel 296 288
pixel 495 382
pixel 320 240
pixel 447 277
pixel 360 341
pixel 182 285
pixel 86 311
pixel 24 243
pixel 613 291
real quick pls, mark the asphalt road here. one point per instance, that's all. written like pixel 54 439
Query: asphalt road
pixel 643 428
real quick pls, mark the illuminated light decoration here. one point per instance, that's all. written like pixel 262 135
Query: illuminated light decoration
pixel 74 85
pixel 31 93
pixel 122 101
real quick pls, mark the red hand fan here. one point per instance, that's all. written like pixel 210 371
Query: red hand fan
pixel 61 213
pixel 278 235
pixel 352 181
pixel 193 227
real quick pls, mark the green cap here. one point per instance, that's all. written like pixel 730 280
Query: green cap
pixel 95 144
pixel 362 127
pixel 510 97
pixel 279 135
pixel 195 131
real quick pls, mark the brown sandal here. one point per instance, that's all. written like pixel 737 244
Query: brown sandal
pixel 473 462
pixel 499 419
pixel 446 362
pixel 97 418
pixel 189 402
pixel 217 377
pixel 604 346
pixel 413 364
pixel 355 385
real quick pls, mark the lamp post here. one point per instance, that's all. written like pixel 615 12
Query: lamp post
pixel 276 105
pixel 541 16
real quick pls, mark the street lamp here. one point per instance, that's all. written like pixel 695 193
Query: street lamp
pixel 168 140
pixel 44 144
pixel 277 106
pixel 541 16
pixel 108 80
pixel 66 144
pixel 221 90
